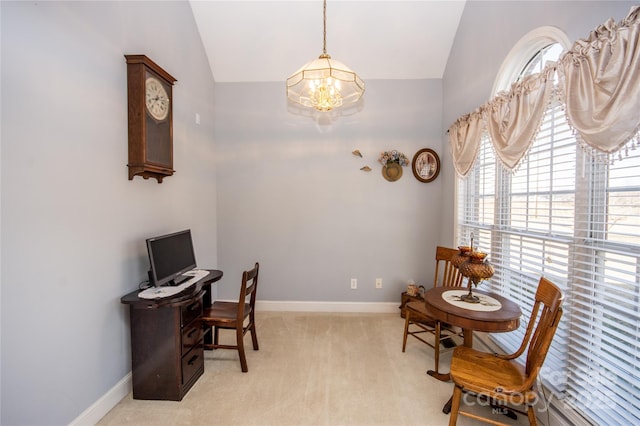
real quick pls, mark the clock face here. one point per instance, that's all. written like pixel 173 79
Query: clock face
pixel 157 100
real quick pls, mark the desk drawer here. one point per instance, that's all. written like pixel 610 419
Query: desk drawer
pixel 192 363
pixel 192 335
pixel 191 311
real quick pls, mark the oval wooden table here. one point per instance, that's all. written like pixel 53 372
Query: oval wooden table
pixel 506 318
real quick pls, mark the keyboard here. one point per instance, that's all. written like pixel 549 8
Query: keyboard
pixel 168 291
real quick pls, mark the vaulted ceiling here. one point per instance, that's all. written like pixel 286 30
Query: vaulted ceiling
pixel 264 41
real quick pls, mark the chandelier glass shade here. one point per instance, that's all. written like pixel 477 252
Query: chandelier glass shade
pixel 324 83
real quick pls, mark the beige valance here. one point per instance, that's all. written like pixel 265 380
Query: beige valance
pixel 600 87
pixel 513 119
pixel 464 137
pixel 602 84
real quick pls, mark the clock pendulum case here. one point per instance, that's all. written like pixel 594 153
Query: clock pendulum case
pixel 150 106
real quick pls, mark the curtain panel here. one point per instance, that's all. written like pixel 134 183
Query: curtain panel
pixel 464 137
pixel 602 84
pixel 600 88
pixel 513 119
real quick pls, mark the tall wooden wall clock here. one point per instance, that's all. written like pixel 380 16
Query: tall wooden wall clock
pixel 150 119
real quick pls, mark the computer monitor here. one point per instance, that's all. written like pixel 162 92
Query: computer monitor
pixel 170 256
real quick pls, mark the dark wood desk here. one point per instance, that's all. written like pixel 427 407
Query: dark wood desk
pixel 507 318
pixel 167 340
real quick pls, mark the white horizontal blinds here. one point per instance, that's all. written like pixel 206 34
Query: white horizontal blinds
pixel 603 378
pixel 623 207
pixel 542 190
pixel 476 199
pixel 575 221
pixel 535 231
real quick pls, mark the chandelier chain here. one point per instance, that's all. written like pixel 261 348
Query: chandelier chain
pixel 324 22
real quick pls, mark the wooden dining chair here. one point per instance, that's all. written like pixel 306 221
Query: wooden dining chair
pixel 418 320
pixel 238 316
pixel 500 378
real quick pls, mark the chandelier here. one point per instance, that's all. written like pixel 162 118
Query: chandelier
pixel 324 83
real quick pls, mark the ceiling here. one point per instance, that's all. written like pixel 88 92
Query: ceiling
pixel 265 41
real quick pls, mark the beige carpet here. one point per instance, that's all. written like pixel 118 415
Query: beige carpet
pixel 311 369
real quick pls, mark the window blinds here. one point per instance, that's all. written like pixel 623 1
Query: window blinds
pixel 575 221
pixel 604 334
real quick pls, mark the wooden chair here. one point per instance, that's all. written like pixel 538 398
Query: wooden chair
pixel 238 316
pixel 418 320
pixel 500 378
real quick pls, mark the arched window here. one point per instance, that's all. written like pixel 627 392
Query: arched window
pixel 566 216
pixel 530 55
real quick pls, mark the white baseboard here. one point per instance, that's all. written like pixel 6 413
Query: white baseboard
pixel 356 307
pixel 102 406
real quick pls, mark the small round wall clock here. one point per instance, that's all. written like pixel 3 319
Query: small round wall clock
pixel 425 165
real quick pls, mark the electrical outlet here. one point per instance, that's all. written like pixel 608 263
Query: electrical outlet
pixel 354 283
pixel 378 282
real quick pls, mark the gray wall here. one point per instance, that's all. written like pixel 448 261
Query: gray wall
pixel 73 226
pixel 292 196
pixel 279 188
pixel 487 32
